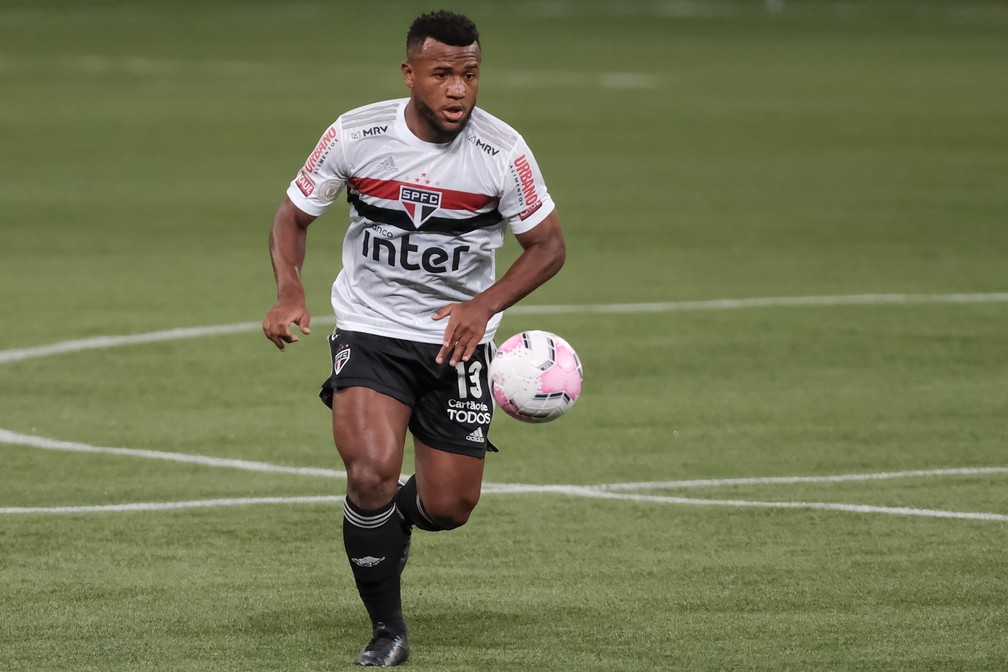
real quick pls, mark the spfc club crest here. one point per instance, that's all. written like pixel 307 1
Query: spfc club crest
pixel 340 360
pixel 419 203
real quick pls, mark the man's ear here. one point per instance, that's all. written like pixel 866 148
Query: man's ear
pixel 407 74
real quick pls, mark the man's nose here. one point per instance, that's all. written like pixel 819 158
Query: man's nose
pixel 456 87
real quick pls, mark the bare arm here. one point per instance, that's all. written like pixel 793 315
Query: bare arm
pixel 287 242
pixel 543 254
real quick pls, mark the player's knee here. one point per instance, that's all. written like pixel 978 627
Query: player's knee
pixel 370 487
pixel 451 520
pixel 450 512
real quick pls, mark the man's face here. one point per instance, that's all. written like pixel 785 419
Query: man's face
pixel 443 82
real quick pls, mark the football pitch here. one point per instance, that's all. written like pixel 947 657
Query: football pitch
pixel 787 280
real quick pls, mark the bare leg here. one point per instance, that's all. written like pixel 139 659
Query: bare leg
pixel 369 429
pixel 448 484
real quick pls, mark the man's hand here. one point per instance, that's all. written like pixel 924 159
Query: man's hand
pixel 543 253
pixel 276 326
pixel 287 252
pixel 466 327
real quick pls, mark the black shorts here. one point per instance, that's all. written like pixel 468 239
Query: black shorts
pixel 452 406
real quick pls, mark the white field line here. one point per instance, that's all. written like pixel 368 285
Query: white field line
pixel 571 491
pixel 594 492
pixel 167 506
pixel 104 342
pixel 101 342
pixel 791 480
pixel 764 302
pixel 603 491
pixel 820 506
pixel 14 438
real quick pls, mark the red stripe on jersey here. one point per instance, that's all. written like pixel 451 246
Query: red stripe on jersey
pixel 450 199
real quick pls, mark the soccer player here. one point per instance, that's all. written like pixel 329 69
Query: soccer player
pixel 432 182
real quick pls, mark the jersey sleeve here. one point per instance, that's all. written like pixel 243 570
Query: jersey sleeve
pixel 323 175
pixel 524 200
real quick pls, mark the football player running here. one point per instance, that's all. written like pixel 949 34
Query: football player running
pixel 433 183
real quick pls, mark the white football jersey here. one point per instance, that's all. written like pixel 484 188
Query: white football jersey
pixel 425 219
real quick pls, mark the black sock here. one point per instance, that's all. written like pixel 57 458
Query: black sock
pixel 374 543
pixel 408 502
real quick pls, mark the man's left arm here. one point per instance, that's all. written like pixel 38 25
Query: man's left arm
pixel 543 254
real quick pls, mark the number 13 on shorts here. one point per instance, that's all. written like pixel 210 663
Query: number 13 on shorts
pixel 469 383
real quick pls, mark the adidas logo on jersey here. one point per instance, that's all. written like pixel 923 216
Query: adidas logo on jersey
pixel 476 436
pixel 387 164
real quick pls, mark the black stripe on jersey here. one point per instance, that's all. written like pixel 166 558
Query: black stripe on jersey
pixel 402 220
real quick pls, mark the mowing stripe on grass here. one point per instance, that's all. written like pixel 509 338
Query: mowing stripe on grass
pixel 101 342
pixel 145 66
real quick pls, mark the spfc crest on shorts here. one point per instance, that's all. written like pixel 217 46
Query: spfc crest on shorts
pixel 419 203
pixel 340 360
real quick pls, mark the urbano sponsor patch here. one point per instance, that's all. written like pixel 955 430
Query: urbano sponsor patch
pixel 320 149
pixel 522 171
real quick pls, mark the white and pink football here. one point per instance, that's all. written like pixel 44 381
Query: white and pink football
pixel 535 376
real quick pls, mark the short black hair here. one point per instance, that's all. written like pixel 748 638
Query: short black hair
pixel 446 27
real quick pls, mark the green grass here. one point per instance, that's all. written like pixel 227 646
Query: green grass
pixel 697 151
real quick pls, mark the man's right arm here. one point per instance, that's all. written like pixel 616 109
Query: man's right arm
pixel 287 241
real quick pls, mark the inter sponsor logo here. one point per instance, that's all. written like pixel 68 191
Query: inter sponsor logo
pixel 419 203
pixel 320 149
pixel 403 253
pixel 526 183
